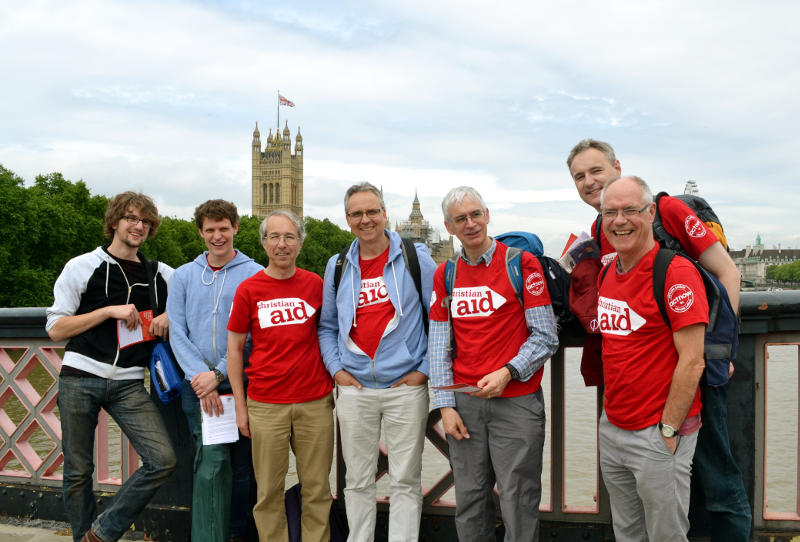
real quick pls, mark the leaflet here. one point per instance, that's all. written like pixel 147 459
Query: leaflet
pixel 127 337
pixel 221 429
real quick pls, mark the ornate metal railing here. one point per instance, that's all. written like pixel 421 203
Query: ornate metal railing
pixel 30 451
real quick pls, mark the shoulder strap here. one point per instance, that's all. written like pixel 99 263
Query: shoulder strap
pixel 514 270
pixel 449 283
pixel 598 227
pixel 660 266
pixel 337 270
pixel 603 272
pixel 411 260
pixel 662 236
pixel 150 268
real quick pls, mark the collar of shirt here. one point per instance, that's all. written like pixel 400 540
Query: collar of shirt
pixel 486 256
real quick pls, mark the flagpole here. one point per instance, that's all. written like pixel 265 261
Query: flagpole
pixel 278 112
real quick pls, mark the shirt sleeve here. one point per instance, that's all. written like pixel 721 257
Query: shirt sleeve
pixel 239 321
pixel 534 284
pixel 441 364
pixel 540 345
pixel 683 224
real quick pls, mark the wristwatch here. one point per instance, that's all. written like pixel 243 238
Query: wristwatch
pixel 219 375
pixel 667 430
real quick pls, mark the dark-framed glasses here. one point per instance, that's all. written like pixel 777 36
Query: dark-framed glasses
pixel 133 220
pixel 358 215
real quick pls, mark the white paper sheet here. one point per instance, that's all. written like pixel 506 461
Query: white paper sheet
pixel 221 429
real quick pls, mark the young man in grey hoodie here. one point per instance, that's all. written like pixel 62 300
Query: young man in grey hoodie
pixel 198 314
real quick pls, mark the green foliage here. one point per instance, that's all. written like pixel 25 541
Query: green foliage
pixel 176 242
pixel 789 272
pixel 43 226
pixel 54 220
pixel 323 240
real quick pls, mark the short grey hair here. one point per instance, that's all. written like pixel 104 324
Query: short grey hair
pixel 586 144
pixel 457 195
pixel 298 224
pixel 363 187
pixel 647 194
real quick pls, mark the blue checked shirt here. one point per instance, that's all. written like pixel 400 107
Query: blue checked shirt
pixel 541 344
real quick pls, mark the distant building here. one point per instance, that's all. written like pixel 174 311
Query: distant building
pixel 754 260
pixel 277 173
pixel 691 188
pixel 419 230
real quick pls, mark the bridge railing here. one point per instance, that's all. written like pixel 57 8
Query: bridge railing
pixel 31 459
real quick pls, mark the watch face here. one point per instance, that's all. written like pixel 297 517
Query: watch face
pixel 668 431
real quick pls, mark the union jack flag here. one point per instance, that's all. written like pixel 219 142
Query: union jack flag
pixel 285 101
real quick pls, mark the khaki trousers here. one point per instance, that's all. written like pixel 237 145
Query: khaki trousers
pixel 306 429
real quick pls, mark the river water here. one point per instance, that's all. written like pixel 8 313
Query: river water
pixel 580 441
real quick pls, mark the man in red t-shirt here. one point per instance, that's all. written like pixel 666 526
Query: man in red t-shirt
pixel 591 164
pixel 289 404
pixel 496 434
pixel 651 410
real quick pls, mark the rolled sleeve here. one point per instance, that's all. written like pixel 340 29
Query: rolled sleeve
pixel 441 365
pixel 541 344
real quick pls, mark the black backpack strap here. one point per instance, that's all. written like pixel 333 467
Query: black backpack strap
pixel 150 268
pixel 660 233
pixel 450 267
pixel 411 260
pixel 598 227
pixel 660 266
pixel 337 270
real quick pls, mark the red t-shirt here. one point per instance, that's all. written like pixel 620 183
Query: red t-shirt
pixel 488 321
pixel 281 316
pixel 375 309
pixel 680 222
pixel 639 355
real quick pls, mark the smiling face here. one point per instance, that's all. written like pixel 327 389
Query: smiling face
pixel 282 243
pixel 218 237
pixel 368 230
pixel 468 221
pixel 628 221
pixel 591 170
pixel 128 234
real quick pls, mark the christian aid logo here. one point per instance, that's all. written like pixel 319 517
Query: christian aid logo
pixel 433 299
pixel 615 317
pixel 535 283
pixel 694 226
pixel 373 291
pixel 608 258
pixel 680 298
pixel 283 312
pixel 475 301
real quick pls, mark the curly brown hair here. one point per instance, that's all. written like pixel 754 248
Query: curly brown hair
pixel 118 207
pixel 216 209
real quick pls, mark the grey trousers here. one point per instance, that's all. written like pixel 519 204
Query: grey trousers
pixel 505 447
pixel 647 484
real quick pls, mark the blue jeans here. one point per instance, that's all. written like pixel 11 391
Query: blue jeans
pixel 236 457
pixel 127 402
pixel 726 502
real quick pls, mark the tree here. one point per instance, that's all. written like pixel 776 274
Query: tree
pixel 323 240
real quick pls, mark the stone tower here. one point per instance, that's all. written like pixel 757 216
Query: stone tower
pixel 277 173
pixel 419 230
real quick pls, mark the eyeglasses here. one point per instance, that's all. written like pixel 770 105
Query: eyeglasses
pixel 133 220
pixel 288 238
pixel 462 219
pixel 358 215
pixel 628 212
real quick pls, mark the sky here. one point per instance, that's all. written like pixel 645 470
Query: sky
pixel 162 97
